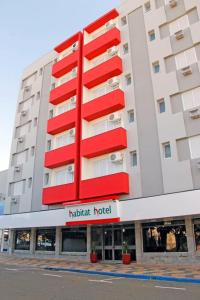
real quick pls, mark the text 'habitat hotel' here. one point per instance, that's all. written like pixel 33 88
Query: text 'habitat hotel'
pixel 106 141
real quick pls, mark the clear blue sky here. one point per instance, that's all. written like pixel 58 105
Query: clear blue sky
pixel 29 29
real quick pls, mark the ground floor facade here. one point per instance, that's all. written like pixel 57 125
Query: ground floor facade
pixel 161 229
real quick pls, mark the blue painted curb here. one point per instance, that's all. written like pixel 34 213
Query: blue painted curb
pixel 127 275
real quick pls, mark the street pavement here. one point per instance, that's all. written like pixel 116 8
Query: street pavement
pixel 21 282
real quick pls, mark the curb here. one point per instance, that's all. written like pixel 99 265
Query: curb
pixel 128 275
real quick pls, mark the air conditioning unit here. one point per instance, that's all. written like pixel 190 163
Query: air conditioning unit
pixel 114 117
pixel 70 169
pixel 110 24
pixel 14 200
pixel 27 88
pixel 73 100
pixel 113 82
pixel 179 34
pixel 195 113
pixel 172 3
pixel 74 71
pixel 17 169
pixel 24 113
pixel 186 70
pixel 20 139
pixel 116 157
pixel 72 132
pixel 112 51
pixel 198 164
pixel 75 46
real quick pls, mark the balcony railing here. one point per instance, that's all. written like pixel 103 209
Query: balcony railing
pixel 100 32
pixel 67 77
pixel 101 91
pixel 97 61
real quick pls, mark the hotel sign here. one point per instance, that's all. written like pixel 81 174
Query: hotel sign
pixel 91 213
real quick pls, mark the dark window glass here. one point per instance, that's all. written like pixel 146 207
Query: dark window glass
pixel 197 236
pixel 74 239
pixel 164 237
pixel 46 239
pixel 22 239
pixel 129 235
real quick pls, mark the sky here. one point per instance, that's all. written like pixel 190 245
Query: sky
pixel 28 30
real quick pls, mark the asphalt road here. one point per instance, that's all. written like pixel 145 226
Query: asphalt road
pixel 27 283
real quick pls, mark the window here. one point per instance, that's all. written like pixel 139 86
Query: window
pixel 17 188
pixel 32 151
pixel 30 182
pixel 194 144
pixel 161 106
pixel 35 122
pixel 48 145
pixel 165 237
pixel 191 98
pixel 131 116
pixel 46 179
pixel 147 6
pixel 63 139
pixel 38 96
pixel 105 166
pixel 180 24
pixel 45 239
pixel 51 114
pixel 185 58
pixel 167 150
pixel 74 239
pixel 22 239
pixel 133 156
pixel 124 21
pixel 125 48
pixel 197 234
pixel 62 176
pixel 128 79
pixel 152 35
pixel 156 67
pixel 21 157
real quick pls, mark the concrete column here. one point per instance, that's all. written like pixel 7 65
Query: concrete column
pixel 190 236
pixel 58 241
pixel 11 241
pixel 88 241
pixel 138 242
pixel 33 241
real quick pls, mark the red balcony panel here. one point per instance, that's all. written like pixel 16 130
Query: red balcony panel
pixel 65 65
pixel 63 92
pixel 67 43
pixel 62 122
pixel 102 43
pixel 114 184
pixel 102 72
pixel 60 157
pixel 101 21
pixel 104 143
pixel 58 194
pixel 103 105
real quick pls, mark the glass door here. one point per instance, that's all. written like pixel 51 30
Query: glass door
pixel 108 243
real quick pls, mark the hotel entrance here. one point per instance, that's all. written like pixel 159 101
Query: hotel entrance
pixel 108 240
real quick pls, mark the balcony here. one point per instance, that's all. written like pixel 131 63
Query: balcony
pixel 60 157
pixel 59 194
pixel 68 43
pixel 102 43
pixel 62 122
pixel 103 105
pixel 107 142
pixel 65 65
pixel 102 72
pixel 63 92
pixel 114 184
pixel 101 21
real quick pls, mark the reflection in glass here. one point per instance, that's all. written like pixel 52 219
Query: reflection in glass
pixel 22 239
pixel 197 236
pixel 46 239
pixel 108 237
pixel 74 239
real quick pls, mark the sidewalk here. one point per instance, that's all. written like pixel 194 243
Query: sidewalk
pixel 183 273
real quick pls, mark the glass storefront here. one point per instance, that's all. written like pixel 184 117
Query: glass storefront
pixel 108 241
pixel 45 239
pixel 22 239
pixel 164 236
pixel 74 239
